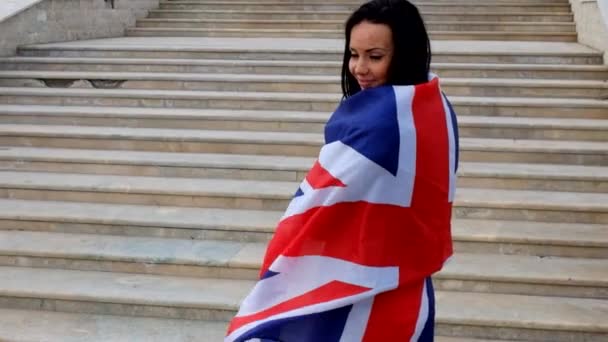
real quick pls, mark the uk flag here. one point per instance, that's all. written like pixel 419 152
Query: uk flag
pixel 352 256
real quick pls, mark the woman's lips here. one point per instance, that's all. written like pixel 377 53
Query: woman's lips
pixel 365 84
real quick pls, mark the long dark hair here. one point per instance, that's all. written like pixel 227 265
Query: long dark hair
pixel 412 55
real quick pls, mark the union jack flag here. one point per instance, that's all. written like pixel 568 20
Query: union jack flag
pixel 352 256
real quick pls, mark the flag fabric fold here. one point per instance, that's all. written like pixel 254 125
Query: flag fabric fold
pixel 352 256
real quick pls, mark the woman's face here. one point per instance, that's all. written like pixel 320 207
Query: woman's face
pixel 371 48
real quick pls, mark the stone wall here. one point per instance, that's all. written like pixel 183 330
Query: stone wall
pixel 590 24
pixel 63 20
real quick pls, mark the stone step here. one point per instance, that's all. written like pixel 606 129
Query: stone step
pixel 531 275
pixel 430 15
pixel 292 83
pixel 48 326
pixel 282 143
pixel 526 275
pixel 530 238
pixel 149 255
pixel 158 221
pixel 532 128
pixel 288 121
pixel 357 2
pixel 309 49
pixel 575 178
pixel 466 70
pixel 527 318
pixel 458 313
pixel 444 7
pixel 184 118
pixel 542 177
pixel 464 105
pixel 470 235
pixel 549 206
pixel 174 164
pixel 308 33
pixel 121 293
pixel 338 25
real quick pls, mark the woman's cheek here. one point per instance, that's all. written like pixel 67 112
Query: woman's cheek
pixel 351 66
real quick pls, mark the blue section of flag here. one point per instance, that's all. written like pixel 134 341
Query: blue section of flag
pixel 370 135
pixel 322 327
pixel 455 129
pixel 299 193
pixel 428 333
pixel 269 274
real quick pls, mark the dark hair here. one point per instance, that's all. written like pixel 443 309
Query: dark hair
pixel 412 54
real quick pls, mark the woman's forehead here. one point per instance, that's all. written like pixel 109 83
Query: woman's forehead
pixel 366 36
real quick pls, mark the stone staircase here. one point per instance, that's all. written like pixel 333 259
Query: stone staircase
pixel 140 177
pixel 543 20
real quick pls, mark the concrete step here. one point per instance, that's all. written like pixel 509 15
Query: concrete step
pixel 121 293
pixel 430 15
pixel 282 143
pixel 175 118
pixel 572 240
pixel 519 317
pixel 549 206
pixel 464 70
pixel 309 49
pixel 458 313
pixel 48 326
pixel 526 275
pixel 144 255
pixel 149 221
pixel 444 7
pixel 356 2
pixel 464 105
pixel 288 121
pixel 33 325
pixel 542 177
pixel 550 276
pixel 470 235
pixel 292 83
pixel 574 178
pixel 307 33
pixel 171 164
pixel 533 128
pixel 266 143
pixel 279 6
pixel 338 25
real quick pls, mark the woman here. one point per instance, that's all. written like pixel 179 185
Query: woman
pixel 388 39
pixel 352 257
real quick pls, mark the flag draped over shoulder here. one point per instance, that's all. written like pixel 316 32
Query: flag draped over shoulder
pixel 367 226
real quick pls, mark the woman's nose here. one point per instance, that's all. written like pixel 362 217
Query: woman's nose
pixel 361 67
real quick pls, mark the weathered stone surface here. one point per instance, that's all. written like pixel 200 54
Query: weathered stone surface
pixel 63 20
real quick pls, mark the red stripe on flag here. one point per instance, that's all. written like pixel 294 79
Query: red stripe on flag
pixel 328 292
pixel 395 314
pixel 432 185
pixel 320 178
pixel 369 234
pixel 432 181
pixel 431 215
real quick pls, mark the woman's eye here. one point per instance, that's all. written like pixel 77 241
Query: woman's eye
pixel 376 58
pixel 354 56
